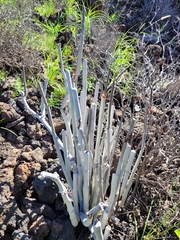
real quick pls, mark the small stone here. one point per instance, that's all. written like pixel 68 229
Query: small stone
pixel 34 155
pixel 27 148
pixel 58 125
pixel 17 124
pixel 35 144
pixel 9 81
pixel 6 176
pixel 5 96
pixel 9 162
pixel 11 136
pixel 16 235
pixel 21 141
pixel 8 113
pixel 32 104
pixel 22 173
pixel 40 228
pixel 47 149
pixel 26 156
pixel 31 119
pixel 34 131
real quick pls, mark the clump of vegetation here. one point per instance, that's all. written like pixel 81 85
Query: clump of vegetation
pixel 2 75
pixel 88 159
pixel 18 87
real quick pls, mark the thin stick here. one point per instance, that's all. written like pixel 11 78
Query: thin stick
pixel 80 48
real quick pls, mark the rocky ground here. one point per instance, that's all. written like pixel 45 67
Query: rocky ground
pixel 33 209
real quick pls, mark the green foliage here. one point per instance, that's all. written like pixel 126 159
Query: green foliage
pixel 70 19
pixel 18 87
pixel 51 59
pixel 175 186
pixel 91 83
pixel 33 41
pixel 6 2
pixel 146 222
pixel 2 75
pixel 163 225
pixel 123 55
pixel 52 68
pixel 48 47
pixel 55 98
pixel 50 33
pixel 45 9
pixel 52 28
pixel 113 17
pixel 94 16
pixel 72 10
pixel 72 14
pixel 177 232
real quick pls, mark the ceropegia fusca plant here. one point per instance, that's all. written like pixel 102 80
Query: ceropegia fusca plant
pixel 88 151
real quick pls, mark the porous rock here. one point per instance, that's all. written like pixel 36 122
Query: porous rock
pixel 11 217
pixel 9 154
pixel 47 149
pixel 55 230
pixel 10 136
pixel 65 229
pixel 21 141
pixel 36 155
pixel 40 228
pixel 8 113
pixel 31 119
pixel 58 124
pixel 17 124
pixel 7 182
pixel 32 208
pixel 47 190
pixel 34 131
pixel 5 96
pixel 19 235
pixel 23 175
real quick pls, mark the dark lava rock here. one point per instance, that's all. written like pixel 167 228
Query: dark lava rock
pixel 47 190
pixel 32 208
pixel 5 96
pixel 55 230
pixel 29 117
pixel 61 226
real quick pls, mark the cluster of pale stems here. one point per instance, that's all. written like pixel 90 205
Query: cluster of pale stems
pixel 85 150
